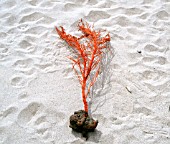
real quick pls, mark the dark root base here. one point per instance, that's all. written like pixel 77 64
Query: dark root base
pixel 81 122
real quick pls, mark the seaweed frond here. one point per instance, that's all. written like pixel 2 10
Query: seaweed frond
pixel 89 50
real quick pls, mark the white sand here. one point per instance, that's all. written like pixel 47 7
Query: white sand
pixel 39 90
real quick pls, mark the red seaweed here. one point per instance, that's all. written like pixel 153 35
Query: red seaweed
pixel 89 51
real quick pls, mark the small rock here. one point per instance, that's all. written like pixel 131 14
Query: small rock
pixel 81 122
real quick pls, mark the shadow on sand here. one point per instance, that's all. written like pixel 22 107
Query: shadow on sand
pixel 91 136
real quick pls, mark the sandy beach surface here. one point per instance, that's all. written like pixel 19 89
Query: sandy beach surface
pixel 39 89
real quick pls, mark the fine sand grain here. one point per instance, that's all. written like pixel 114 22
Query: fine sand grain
pixel 39 90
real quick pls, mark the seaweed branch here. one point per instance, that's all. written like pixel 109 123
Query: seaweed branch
pixel 89 51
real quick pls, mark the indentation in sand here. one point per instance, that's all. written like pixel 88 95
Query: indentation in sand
pixel 24 44
pixel 163 15
pixel 133 11
pixel 150 48
pixel 34 2
pixel 29 112
pixel 8 4
pixel 8 115
pixel 94 16
pixel 35 16
pixel 16 81
pixel 25 63
pixel 71 7
pixel 122 21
